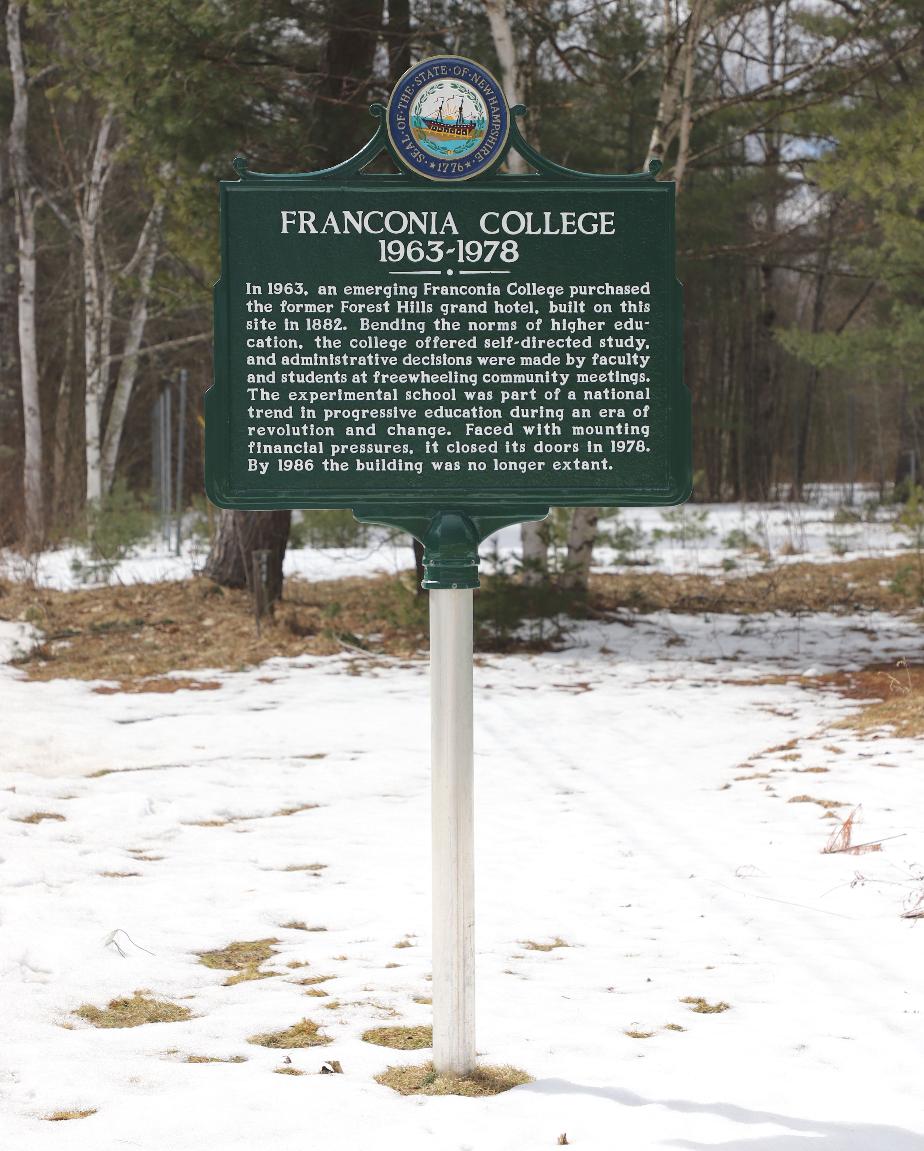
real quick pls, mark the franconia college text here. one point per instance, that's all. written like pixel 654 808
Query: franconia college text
pixel 451 362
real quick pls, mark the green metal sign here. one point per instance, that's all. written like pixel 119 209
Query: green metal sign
pixel 448 357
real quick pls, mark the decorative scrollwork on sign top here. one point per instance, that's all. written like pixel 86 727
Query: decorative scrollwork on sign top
pixel 379 143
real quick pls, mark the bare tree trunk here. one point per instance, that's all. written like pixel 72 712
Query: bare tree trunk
pixel 25 198
pixel 9 384
pixel 811 384
pixel 62 422
pixel 143 262
pixel 670 88
pixel 239 535
pixel 691 40
pixel 354 30
pixel 582 535
pixel 533 539
pixel 399 37
pixel 675 99
pixel 762 384
pixel 97 304
pixel 908 461
pixel 510 72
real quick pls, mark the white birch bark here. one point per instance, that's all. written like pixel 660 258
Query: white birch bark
pixel 533 542
pixel 697 15
pixel 510 77
pixel 675 108
pixel 582 535
pixel 141 264
pixel 98 291
pixel 25 199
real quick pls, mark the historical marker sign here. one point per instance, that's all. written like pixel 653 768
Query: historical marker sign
pixel 447 350
pixel 400 345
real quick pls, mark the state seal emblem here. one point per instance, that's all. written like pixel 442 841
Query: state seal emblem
pixel 448 119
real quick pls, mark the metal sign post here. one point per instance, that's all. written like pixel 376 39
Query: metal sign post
pixel 448 350
pixel 452 813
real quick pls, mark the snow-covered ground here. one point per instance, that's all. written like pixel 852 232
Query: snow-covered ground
pixel 632 800
pixel 694 538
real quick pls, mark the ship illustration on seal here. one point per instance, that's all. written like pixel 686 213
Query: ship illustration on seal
pixel 456 126
pixel 448 119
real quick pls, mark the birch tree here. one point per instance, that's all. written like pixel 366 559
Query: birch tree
pixel 673 122
pixel 25 200
pixel 533 535
pixel 141 268
pixel 104 282
pixel 674 116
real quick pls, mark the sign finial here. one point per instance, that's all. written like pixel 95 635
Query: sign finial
pixel 448 119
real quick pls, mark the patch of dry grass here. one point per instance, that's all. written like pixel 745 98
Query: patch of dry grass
pixel 247 975
pixel 532 945
pixel 639 1034
pixel 159 685
pixel 827 804
pixel 892 695
pixel 133 1012
pixel 423 999
pixel 860 585
pixel 400 1038
pixel 422 1079
pixel 189 625
pixel 295 925
pixel 134 636
pixel 318 992
pixel 311 980
pixel 305 1033
pixel 901 711
pixel 120 874
pixel 673 1027
pixel 305 867
pixel 292 810
pixel 287 1071
pixel 704 1007
pixel 214 1059
pixel 243 957
pixel 239 955
pixel 40 817
pixel 61 1116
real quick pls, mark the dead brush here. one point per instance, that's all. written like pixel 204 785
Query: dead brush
pixel 915 908
pixel 839 843
pixel 191 625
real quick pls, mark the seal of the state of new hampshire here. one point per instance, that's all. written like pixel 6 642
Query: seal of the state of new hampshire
pixel 448 119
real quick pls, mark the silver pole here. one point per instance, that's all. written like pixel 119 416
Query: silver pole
pixel 168 464
pixel 157 455
pixel 180 457
pixel 452 803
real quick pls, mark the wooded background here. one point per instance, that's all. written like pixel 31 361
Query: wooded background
pixel 794 132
